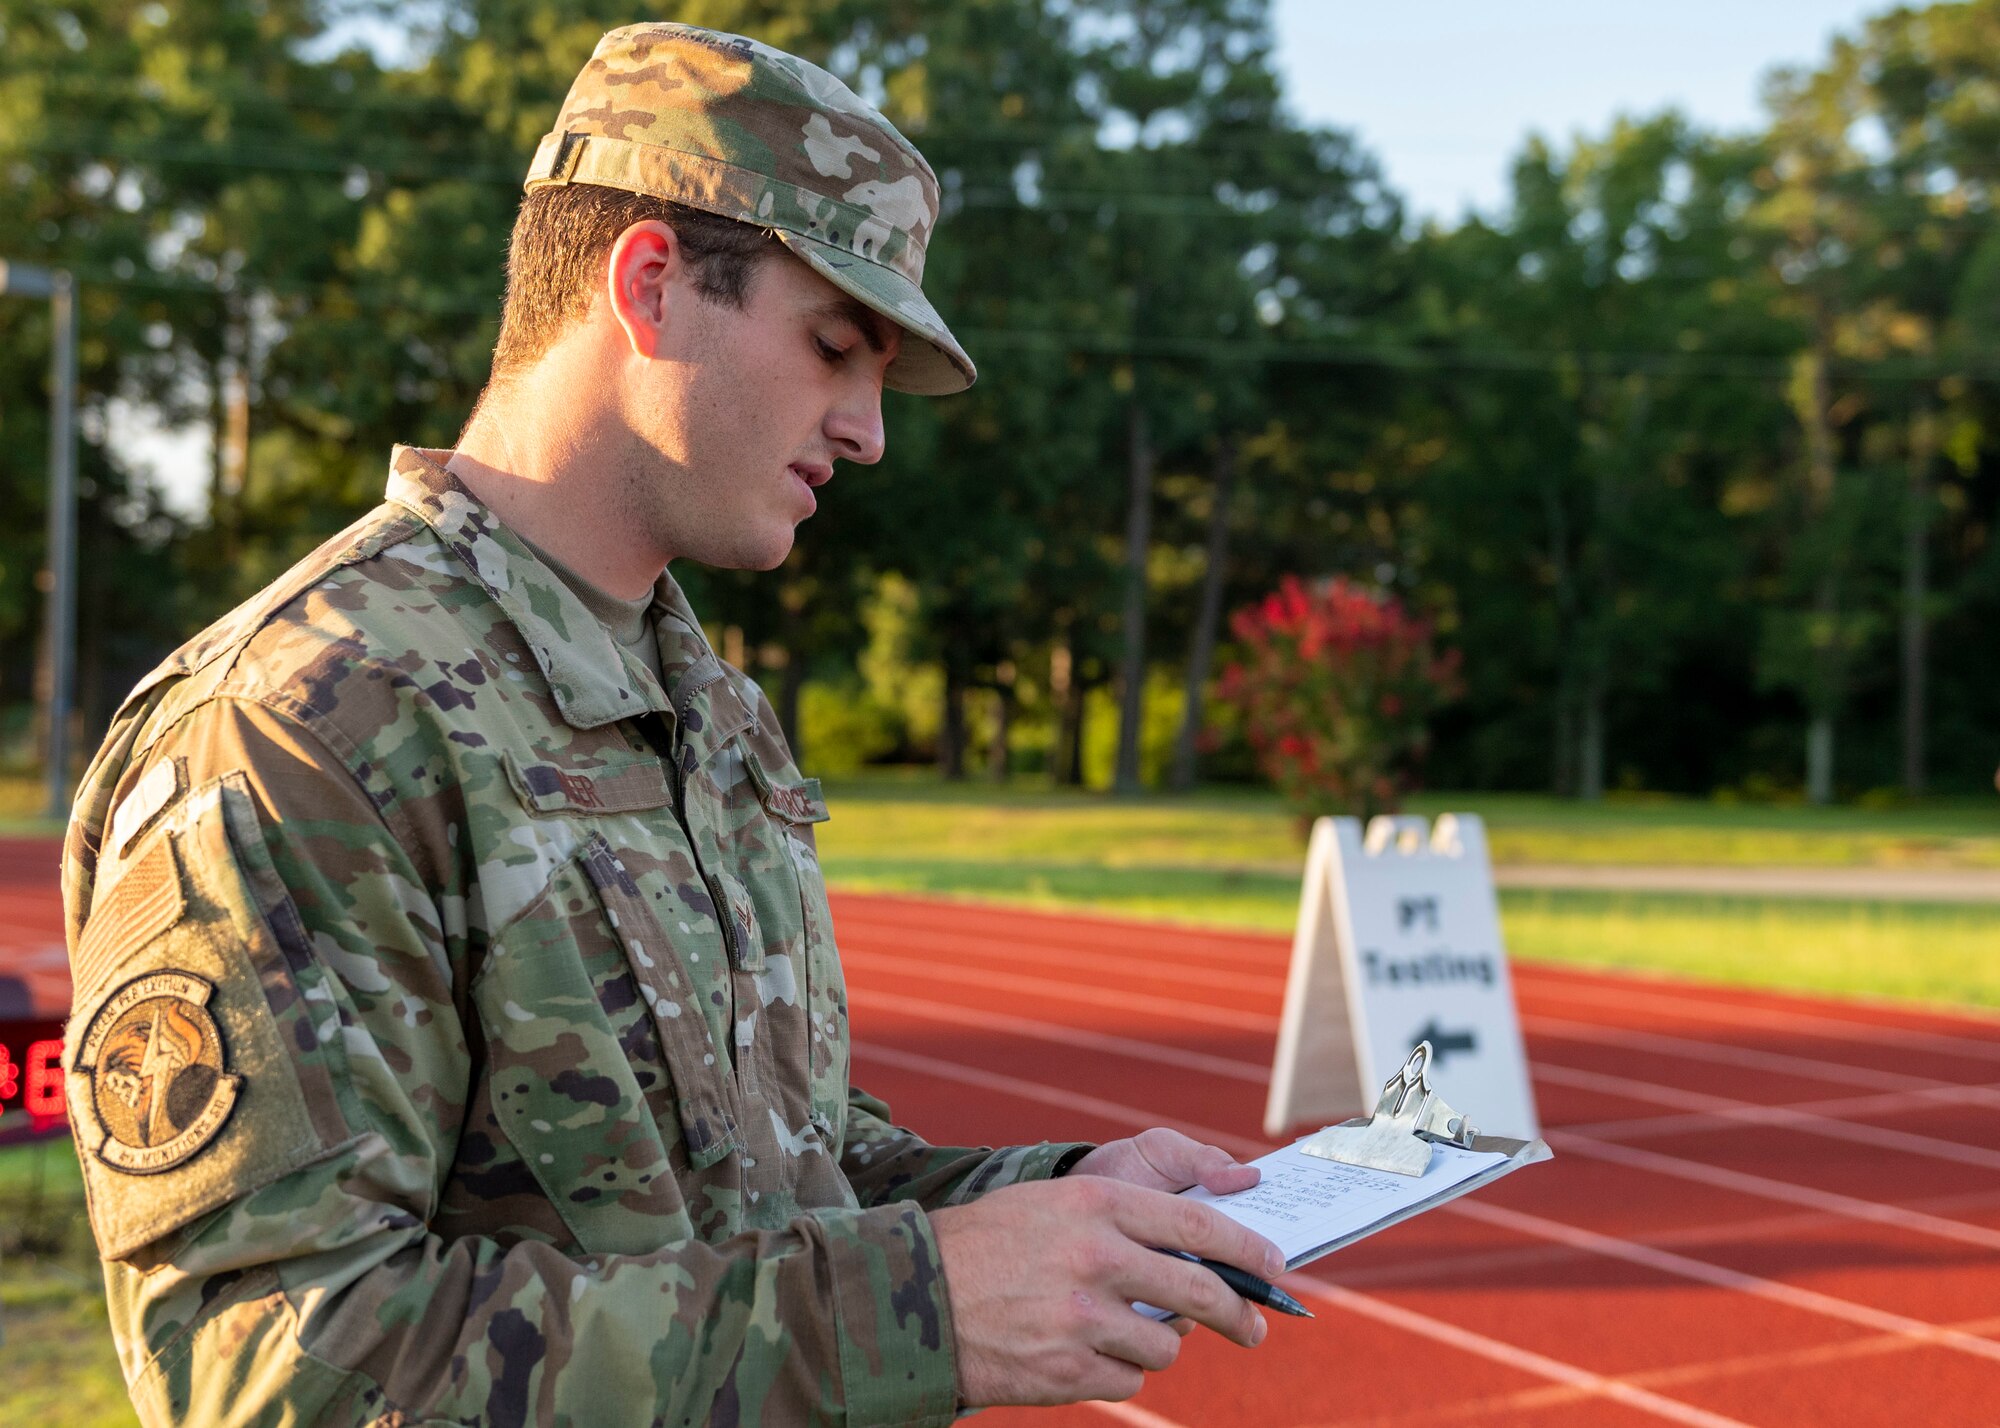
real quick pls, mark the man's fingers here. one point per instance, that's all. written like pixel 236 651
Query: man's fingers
pixel 1183 1161
pixel 1218 1172
pixel 1112 1379
pixel 1145 1343
pixel 1185 1288
pixel 1170 1222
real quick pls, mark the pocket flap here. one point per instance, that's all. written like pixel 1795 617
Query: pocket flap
pixel 799 802
pixel 624 786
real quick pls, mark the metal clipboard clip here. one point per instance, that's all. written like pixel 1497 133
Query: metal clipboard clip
pixel 1409 1119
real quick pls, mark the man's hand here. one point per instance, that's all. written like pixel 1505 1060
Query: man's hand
pixel 1162 1159
pixel 1043 1277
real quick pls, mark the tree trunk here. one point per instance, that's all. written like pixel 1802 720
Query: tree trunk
pixel 1590 743
pixel 1916 594
pixel 1823 698
pixel 1819 759
pixel 1596 581
pixel 1562 762
pixel 229 406
pixel 1138 541
pixel 1562 768
pixel 998 756
pixel 790 684
pixel 951 729
pixel 1201 643
pixel 1066 691
pixel 792 673
pixel 220 505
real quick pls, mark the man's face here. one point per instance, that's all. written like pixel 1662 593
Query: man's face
pixel 751 407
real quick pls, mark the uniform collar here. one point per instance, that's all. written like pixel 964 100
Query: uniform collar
pixel 593 681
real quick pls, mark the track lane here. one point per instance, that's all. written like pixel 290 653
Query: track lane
pixel 1824 1087
pixel 1758 1147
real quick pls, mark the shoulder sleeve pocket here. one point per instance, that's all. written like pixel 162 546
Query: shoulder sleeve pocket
pixel 191 1049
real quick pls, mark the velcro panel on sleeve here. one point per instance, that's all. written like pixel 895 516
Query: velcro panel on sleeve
pixel 898 1351
pixel 183 1089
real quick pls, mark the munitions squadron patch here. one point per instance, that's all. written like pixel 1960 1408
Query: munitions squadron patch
pixel 159 1088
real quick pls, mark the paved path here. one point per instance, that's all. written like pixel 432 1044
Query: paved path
pixel 1894 884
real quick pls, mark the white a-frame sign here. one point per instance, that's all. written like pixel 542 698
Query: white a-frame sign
pixel 1398 942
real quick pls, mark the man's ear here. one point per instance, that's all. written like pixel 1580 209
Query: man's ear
pixel 642 280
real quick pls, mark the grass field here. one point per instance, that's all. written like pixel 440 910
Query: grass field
pixel 23 799
pixel 915 815
pixel 912 813
pixel 1234 860
pixel 56 1359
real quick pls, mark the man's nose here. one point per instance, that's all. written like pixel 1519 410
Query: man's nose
pixel 855 427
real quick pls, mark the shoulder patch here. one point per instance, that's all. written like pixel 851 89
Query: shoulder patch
pixel 163 783
pixel 159 1086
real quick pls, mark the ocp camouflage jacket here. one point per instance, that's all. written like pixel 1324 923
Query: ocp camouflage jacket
pixel 459 1035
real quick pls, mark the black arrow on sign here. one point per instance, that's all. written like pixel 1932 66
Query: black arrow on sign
pixel 1446 1043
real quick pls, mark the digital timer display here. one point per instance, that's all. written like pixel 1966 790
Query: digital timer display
pixel 31 1080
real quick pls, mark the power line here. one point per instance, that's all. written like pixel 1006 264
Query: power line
pixel 258 158
pixel 1025 132
pixel 1197 347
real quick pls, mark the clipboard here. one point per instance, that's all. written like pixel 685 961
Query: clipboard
pixel 1357 1178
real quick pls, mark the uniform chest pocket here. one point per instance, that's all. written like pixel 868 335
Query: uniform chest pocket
pixel 598 1054
pixel 793 807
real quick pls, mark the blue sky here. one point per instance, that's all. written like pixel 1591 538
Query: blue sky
pixel 1444 91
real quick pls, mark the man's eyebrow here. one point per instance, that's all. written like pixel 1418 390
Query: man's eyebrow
pixel 874 326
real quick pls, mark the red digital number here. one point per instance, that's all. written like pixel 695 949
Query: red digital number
pixel 10 1076
pixel 45 1079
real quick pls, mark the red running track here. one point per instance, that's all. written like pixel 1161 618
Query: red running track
pixel 1765 1211
pixel 1770 1211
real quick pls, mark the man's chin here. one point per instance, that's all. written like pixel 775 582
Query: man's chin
pixel 760 555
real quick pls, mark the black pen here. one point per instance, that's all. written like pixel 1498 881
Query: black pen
pixel 1257 1291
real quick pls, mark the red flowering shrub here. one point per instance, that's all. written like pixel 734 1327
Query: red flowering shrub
pixel 1336 686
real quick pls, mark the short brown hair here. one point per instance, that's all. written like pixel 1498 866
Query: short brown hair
pixel 555 260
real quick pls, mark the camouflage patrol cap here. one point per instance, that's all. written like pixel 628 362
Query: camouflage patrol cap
pixel 733 127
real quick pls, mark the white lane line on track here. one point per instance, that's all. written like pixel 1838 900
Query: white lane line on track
pixel 1132 1413
pixel 1801 1022
pixel 1239 1020
pixel 1783 1191
pixel 1114 1112
pixel 1528 1257
pixel 1013 951
pixel 1746 1058
pixel 1727 1113
pixel 1532 1226
pixel 1526 1360
pixel 1070 991
pixel 1761 1187
pixel 1061 1035
pixel 1719 1112
pixel 1233 943
pixel 1722 1113
pixel 1840 1206
pixel 1160 937
pixel 1743 1057
pixel 1701 1271
pixel 1436 1329
pixel 1705 1110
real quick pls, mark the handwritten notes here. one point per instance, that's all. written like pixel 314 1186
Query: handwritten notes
pixel 1308 1206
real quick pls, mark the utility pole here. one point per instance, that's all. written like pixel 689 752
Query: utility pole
pixel 22 280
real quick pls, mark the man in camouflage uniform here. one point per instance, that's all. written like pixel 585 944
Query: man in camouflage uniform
pixel 459 1034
